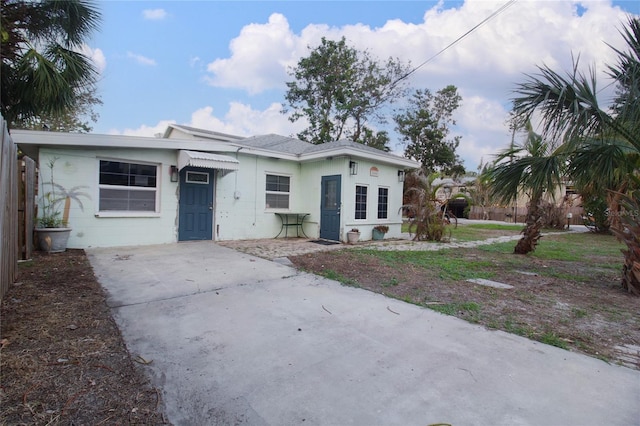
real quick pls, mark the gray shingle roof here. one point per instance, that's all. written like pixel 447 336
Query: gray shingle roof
pixel 203 132
pixel 287 145
pixel 277 143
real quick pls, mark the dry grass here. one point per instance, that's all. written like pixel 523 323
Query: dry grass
pixel 63 358
pixel 566 294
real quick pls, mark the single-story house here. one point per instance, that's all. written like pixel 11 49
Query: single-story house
pixel 193 184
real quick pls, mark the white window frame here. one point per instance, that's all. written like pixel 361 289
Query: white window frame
pixel 191 172
pixel 378 203
pixel 366 204
pixel 129 213
pixel 288 194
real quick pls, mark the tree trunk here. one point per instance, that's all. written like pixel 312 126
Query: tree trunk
pixel 531 234
pixel 627 229
pixel 631 267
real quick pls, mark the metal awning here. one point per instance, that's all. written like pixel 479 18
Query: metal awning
pixel 206 160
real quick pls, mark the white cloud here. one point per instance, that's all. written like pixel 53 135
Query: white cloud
pixel 144 130
pixel 485 65
pixel 240 119
pixel 526 34
pixel 97 57
pixel 142 60
pixel 481 125
pixel 259 58
pixel 154 14
pixel 194 61
pixel 243 120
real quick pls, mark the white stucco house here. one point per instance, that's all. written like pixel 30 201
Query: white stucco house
pixel 192 184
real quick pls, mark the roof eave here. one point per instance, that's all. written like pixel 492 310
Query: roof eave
pixel 353 153
pixel 30 140
pixel 34 138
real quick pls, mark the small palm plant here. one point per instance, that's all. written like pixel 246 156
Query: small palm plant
pixel 421 206
pixel 535 168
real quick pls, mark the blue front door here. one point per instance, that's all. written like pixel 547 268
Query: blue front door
pixel 196 205
pixel 330 208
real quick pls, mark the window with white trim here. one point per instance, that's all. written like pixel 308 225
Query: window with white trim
pixel 361 202
pixel 383 203
pixel 127 187
pixel 277 192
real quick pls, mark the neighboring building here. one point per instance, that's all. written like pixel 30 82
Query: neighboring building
pixel 455 192
pixel 193 184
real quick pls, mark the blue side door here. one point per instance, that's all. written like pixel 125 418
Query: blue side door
pixel 196 205
pixel 330 208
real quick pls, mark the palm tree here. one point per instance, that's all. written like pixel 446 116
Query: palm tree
pixel 420 204
pixel 534 168
pixel 42 70
pixel 602 143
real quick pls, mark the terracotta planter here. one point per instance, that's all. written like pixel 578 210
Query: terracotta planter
pixel 52 240
pixel 353 237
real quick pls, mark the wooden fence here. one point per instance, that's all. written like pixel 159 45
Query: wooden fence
pixel 27 184
pixel 507 214
pixel 8 210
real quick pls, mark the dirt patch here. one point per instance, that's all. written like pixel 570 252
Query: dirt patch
pixel 63 360
pixel 576 305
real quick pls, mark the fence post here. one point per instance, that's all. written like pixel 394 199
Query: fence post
pixel 8 210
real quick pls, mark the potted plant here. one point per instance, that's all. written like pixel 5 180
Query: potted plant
pixel 353 236
pixel 52 231
pixel 379 231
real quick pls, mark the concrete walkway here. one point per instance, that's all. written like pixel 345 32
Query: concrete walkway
pixel 237 339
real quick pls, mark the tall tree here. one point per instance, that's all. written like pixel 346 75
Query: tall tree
pixel 533 168
pixel 340 90
pixel 43 72
pixel 425 126
pixel 76 119
pixel 602 143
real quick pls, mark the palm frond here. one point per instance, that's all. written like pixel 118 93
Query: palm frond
pixel 610 160
pixel 568 104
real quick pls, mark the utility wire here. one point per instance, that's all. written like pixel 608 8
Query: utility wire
pixel 484 21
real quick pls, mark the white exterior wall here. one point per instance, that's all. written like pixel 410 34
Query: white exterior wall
pixel 312 173
pixel 311 187
pixel 245 216
pixel 80 167
pixel 387 177
pixel 239 197
pixel 248 218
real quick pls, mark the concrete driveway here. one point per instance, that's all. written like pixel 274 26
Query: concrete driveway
pixel 237 339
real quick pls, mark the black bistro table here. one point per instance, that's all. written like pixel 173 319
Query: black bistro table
pixel 288 220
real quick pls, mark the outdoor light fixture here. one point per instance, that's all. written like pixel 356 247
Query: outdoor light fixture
pixel 353 167
pixel 174 173
pixel 400 175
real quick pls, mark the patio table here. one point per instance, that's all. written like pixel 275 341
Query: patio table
pixel 288 220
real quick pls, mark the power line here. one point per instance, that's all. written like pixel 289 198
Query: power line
pixel 484 21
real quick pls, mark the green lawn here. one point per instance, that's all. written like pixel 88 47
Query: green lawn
pixel 478 231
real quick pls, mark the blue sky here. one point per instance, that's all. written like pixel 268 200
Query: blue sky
pixel 222 65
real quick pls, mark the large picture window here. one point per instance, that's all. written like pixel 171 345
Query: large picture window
pixel 277 192
pixel 128 187
pixel 361 202
pixel 383 203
